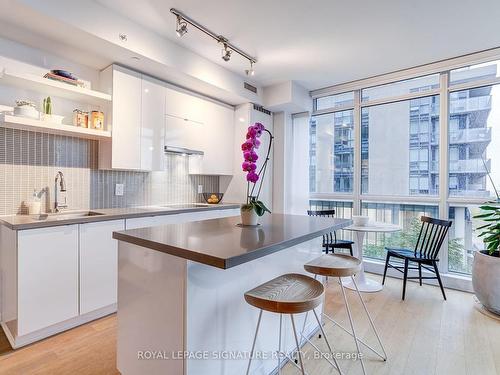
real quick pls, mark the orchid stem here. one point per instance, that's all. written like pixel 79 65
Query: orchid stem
pixel 262 170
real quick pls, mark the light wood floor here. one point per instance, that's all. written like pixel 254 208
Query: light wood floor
pixel 423 335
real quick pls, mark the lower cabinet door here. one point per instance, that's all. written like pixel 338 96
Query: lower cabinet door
pixel 98 264
pixel 47 277
pixel 141 222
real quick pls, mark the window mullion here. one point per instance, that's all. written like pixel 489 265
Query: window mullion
pixel 443 161
pixel 357 153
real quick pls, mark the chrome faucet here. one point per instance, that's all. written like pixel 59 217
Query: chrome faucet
pixel 60 193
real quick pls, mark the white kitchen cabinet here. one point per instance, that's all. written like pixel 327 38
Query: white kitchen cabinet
pixel 124 149
pixel 204 125
pixel 143 222
pixel 152 124
pixel 146 115
pixel 215 140
pixel 184 105
pixel 184 118
pixel 47 277
pixel 210 214
pixel 151 221
pixel 98 264
pixel 181 132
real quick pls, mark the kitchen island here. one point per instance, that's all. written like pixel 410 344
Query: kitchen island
pixel 180 292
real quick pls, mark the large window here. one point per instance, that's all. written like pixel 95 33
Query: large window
pixel 426 145
pixel 463 240
pixel 334 101
pixel 332 153
pixel 474 141
pixel 400 148
pixel 343 210
pixel 405 215
pixel 476 72
pixel 420 84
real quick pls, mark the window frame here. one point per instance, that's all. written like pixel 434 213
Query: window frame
pixel 443 200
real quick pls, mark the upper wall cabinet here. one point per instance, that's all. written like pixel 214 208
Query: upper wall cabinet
pixel 137 121
pixel 216 139
pixel 204 125
pixel 124 149
pixel 152 124
pixel 146 116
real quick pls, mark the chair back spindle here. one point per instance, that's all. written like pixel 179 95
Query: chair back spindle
pixel 328 238
pixel 432 234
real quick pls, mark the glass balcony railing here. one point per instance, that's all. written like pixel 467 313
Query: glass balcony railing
pixel 470 193
pixel 469 166
pixel 470 104
pixel 471 135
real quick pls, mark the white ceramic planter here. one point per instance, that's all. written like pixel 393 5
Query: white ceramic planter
pixel 486 279
pixel 249 217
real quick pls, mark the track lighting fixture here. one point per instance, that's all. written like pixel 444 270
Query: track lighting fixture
pixel 181 27
pixel 228 48
pixel 226 53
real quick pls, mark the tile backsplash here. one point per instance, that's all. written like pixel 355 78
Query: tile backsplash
pixel 29 161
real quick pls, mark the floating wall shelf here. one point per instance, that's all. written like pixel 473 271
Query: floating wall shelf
pixel 23 123
pixel 53 88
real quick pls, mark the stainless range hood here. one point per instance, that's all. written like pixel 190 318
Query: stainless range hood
pixel 182 151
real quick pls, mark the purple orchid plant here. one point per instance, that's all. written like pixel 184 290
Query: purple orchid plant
pixel 254 177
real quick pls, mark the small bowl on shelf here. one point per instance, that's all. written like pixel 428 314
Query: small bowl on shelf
pixel 212 198
pixel 360 221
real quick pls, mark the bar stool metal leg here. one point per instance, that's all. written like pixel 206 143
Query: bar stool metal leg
pixel 304 327
pixel 298 346
pixel 328 317
pixel 254 341
pixel 352 325
pixel 327 343
pixel 279 345
pixel 335 365
pixel 307 313
pixel 369 318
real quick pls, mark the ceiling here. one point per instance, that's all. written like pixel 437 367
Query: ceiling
pixel 325 42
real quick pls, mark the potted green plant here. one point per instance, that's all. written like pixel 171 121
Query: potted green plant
pixel 47 115
pixel 254 208
pixel 486 264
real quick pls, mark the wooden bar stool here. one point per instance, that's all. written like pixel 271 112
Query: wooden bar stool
pixel 288 294
pixel 339 265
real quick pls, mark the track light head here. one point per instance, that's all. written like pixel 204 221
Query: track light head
pixel 251 71
pixel 226 53
pixel 181 27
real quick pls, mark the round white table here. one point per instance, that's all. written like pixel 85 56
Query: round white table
pixel 364 284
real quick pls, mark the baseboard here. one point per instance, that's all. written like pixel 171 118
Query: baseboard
pixel 20 341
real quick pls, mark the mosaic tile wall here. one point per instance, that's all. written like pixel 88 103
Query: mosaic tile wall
pixel 29 161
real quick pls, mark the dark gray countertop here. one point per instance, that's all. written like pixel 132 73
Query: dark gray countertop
pixel 223 244
pixel 19 222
